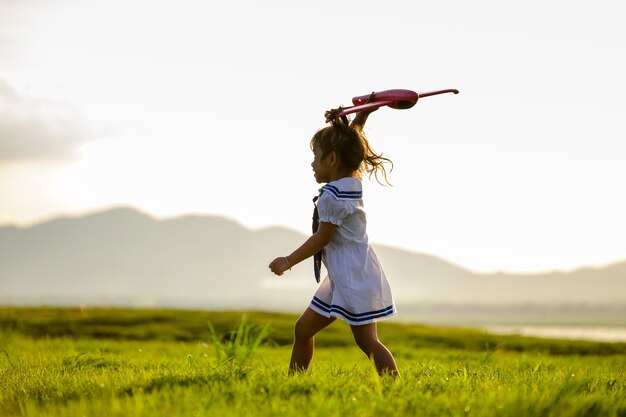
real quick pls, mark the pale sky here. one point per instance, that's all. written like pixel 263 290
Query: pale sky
pixel 207 107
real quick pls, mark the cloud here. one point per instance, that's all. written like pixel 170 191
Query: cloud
pixel 32 128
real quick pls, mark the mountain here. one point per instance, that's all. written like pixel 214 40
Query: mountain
pixel 125 257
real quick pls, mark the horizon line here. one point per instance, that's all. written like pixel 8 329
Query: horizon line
pixel 78 214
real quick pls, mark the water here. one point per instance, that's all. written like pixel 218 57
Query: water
pixel 595 333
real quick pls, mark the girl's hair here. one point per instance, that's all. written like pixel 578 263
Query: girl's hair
pixel 351 145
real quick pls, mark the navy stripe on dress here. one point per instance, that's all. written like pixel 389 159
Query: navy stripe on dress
pixel 348 195
pixel 349 315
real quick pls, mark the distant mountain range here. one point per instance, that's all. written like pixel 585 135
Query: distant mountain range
pixel 125 257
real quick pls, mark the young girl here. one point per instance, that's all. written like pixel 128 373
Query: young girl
pixel 356 289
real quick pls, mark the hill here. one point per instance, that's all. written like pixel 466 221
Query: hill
pixel 125 257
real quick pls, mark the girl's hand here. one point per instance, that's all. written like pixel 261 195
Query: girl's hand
pixel 313 244
pixel 280 265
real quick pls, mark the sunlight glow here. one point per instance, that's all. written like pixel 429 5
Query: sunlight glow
pixel 208 107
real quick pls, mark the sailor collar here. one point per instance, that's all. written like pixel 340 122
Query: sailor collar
pixel 348 188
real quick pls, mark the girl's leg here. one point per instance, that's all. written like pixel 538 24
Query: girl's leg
pixel 367 338
pixel 306 327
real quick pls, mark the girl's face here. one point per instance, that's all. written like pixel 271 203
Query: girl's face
pixel 322 165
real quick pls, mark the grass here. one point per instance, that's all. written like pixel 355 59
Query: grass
pixel 117 362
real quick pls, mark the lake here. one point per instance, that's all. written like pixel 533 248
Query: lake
pixel 596 333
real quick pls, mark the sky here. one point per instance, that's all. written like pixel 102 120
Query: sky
pixel 207 107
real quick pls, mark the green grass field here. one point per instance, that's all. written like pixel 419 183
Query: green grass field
pixel 126 362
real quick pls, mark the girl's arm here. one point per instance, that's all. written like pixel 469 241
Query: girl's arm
pixel 361 117
pixel 314 244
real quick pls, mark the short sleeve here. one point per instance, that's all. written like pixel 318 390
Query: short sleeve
pixel 333 210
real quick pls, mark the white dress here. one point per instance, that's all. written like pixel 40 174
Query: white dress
pixel 355 289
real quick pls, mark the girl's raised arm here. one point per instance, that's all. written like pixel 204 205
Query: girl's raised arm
pixel 361 117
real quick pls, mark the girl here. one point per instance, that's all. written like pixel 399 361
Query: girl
pixel 356 289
